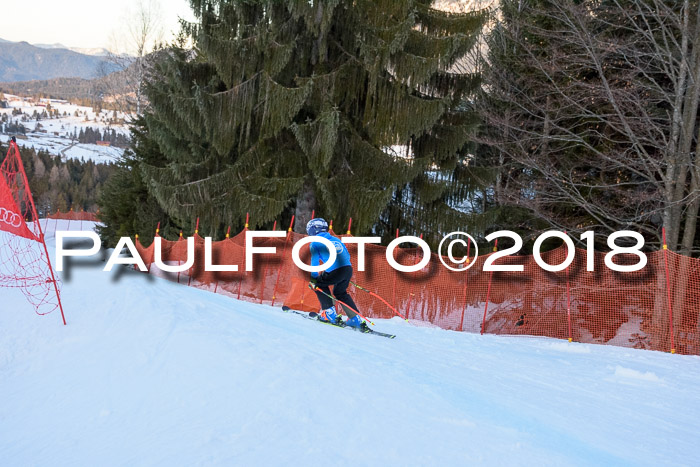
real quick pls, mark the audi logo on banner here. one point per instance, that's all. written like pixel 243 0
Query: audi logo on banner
pixel 9 217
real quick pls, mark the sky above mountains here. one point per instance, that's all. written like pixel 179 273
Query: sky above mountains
pixel 83 23
pixel 97 24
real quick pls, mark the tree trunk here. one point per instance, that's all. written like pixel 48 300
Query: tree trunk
pixel 690 119
pixel 691 217
pixel 672 220
pixel 691 221
pixel 306 203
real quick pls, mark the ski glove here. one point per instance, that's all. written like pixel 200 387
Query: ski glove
pixel 319 278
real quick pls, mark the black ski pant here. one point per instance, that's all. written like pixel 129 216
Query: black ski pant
pixel 339 279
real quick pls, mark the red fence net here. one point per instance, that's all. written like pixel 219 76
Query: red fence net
pixel 75 221
pixel 74 216
pixel 24 261
pixel 629 309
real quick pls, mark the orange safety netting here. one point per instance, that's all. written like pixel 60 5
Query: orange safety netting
pixel 74 216
pixel 75 220
pixel 625 309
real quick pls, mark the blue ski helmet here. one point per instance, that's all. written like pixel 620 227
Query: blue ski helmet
pixel 316 225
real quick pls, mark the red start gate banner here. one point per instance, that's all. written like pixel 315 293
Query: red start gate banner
pixel 10 218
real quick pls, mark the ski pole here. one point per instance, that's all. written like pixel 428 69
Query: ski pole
pixel 380 298
pixel 335 300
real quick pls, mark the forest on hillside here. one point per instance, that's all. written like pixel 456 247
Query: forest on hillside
pixel 80 91
pixel 62 185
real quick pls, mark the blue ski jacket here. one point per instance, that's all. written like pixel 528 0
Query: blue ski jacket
pixel 320 252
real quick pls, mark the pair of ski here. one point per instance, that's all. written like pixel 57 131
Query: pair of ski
pixel 314 316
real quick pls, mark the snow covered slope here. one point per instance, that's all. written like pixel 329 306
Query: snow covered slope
pixel 56 134
pixel 149 372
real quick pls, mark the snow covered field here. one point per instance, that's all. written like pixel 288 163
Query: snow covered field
pixel 149 372
pixel 57 137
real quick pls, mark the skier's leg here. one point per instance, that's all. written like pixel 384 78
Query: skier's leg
pixel 325 300
pixel 327 312
pixel 340 290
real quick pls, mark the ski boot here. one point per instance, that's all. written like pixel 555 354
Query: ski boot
pixel 329 316
pixel 357 322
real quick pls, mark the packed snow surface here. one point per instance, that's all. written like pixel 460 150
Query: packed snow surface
pixel 149 372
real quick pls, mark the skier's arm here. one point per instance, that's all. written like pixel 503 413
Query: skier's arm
pixel 314 260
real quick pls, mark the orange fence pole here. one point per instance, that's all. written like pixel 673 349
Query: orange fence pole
pixel 393 293
pixel 411 294
pixel 279 270
pixel 568 304
pixel 488 293
pixel 156 235
pixel 466 279
pixel 262 285
pixel 196 231
pixel 303 293
pixel 178 261
pixel 228 234
pixel 349 225
pixel 240 280
pixel 568 301
pixel 668 290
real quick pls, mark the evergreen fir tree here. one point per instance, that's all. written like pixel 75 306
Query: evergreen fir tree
pixel 296 105
pixel 126 206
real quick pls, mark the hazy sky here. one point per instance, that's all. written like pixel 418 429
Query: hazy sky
pixel 80 23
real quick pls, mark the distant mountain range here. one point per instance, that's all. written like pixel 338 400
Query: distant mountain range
pixel 95 52
pixel 21 61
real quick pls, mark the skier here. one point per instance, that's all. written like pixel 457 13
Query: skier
pixel 338 275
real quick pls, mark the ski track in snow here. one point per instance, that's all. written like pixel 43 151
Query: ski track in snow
pixel 149 372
